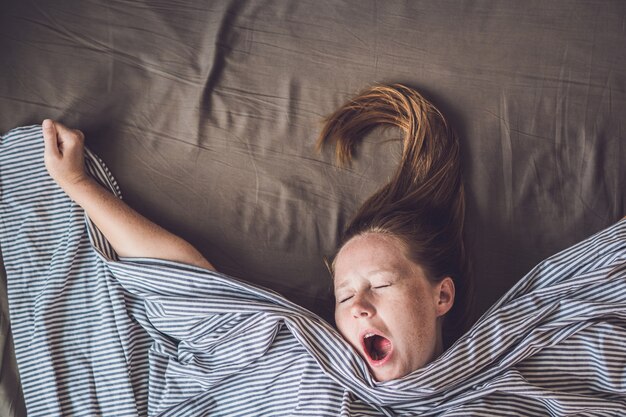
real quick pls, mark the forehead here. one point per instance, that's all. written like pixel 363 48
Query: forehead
pixel 370 254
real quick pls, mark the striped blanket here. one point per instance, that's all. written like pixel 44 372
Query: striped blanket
pixel 96 334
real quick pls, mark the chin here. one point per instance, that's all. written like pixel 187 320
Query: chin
pixel 379 379
pixel 382 376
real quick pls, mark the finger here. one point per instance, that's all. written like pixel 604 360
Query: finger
pixel 65 133
pixel 50 138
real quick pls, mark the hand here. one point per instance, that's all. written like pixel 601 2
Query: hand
pixel 63 154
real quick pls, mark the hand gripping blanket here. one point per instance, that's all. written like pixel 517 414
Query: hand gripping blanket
pixel 96 334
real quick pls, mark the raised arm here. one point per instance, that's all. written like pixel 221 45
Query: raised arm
pixel 130 234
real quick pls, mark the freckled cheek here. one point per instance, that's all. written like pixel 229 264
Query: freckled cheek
pixel 341 322
pixel 410 318
pixel 419 333
pixel 345 326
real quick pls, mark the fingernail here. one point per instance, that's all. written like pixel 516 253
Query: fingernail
pixel 47 124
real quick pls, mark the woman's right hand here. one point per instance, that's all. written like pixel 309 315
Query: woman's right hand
pixel 130 234
pixel 64 154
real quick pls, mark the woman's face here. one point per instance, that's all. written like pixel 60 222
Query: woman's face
pixel 385 306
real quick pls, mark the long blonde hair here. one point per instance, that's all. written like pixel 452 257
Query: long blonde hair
pixel 423 204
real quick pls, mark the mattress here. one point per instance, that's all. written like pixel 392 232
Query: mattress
pixel 207 113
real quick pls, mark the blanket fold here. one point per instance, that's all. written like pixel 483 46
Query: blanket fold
pixel 97 334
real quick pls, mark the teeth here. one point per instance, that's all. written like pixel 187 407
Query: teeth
pixel 369 335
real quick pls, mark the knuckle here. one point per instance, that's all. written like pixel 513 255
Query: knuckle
pixel 80 136
pixel 74 140
pixel 76 137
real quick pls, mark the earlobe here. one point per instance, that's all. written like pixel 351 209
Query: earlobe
pixel 446 296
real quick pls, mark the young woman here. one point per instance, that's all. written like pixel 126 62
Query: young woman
pixel 154 330
pixel 400 276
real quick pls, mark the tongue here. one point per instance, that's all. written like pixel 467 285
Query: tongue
pixel 380 347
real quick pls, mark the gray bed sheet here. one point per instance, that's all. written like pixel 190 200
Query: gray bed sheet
pixel 207 114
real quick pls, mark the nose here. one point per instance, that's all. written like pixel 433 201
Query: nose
pixel 362 307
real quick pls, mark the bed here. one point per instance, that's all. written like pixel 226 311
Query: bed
pixel 207 114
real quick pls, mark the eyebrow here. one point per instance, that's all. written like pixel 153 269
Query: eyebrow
pixel 377 271
pixel 341 286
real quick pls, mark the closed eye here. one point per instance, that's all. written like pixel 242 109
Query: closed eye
pixel 344 299
pixel 382 286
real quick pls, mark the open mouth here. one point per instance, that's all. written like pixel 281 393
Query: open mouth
pixel 377 347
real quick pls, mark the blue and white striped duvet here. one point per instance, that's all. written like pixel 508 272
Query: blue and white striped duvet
pixel 98 335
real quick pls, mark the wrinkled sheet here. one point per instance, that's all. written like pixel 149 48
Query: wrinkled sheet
pixel 101 335
pixel 207 112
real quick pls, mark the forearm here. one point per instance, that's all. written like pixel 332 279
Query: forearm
pixel 131 234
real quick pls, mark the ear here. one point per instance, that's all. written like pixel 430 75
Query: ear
pixel 445 296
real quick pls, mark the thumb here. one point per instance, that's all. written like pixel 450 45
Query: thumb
pixel 50 138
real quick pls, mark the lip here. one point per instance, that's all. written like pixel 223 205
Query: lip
pixel 371 361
